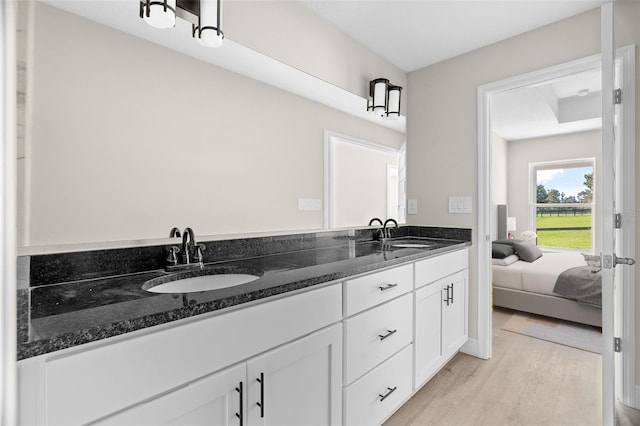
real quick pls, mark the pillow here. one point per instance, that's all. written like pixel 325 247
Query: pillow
pixel 506 261
pixel 527 251
pixel 500 251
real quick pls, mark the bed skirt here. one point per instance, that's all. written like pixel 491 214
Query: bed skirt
pixel 550 306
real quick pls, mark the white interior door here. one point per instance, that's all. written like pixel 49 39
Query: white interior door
pixel 616 234
pixel 607 219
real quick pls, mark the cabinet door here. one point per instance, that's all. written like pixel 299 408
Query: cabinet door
pixel 299 383
pixel 428 306
pixel 213 400
pixel 454 314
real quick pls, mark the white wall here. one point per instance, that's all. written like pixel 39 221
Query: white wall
pixel 442 125
pixel 127 139
pixel 553 148
pixel 291 33
pixel 441 128
pixel 499 178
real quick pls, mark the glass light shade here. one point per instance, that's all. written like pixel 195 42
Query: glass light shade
pixel 379 94
pixel 208 34
pixel 511 224
pixel 158 16
pixel 393 104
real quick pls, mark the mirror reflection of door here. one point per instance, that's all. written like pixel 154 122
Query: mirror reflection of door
pixel 364 180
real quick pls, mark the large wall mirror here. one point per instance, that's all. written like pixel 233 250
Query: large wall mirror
pixel 122 139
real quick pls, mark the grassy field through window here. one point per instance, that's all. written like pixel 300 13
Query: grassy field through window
pixel 561 235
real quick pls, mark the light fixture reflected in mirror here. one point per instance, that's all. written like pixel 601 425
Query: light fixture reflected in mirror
pixel 204 16
pixel 207 32
pixel 384 98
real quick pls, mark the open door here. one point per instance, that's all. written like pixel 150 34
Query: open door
pixel 616 199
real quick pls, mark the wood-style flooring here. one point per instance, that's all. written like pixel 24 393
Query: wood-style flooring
pixel 527 382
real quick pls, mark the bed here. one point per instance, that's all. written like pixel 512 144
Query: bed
pixel 529 285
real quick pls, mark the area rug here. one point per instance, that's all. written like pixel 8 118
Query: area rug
pixel 566 333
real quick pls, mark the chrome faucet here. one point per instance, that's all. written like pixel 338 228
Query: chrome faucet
pixel 386 232
pixel 188 239
pixel 378 234
pixel 191 251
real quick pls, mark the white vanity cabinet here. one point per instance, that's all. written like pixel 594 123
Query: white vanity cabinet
pixel 170 364
pixel 441 312
pixel 217 399
pixel 378 334
pixel 296 384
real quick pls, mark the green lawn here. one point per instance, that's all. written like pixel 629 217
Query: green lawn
pixel 575 239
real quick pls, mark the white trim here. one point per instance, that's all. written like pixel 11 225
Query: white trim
pixel 8 165
pixel 471 348
pixel 330 137
pixel 630 391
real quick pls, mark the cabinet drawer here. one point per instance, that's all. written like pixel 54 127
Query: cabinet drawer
pixel 365 401
pixel 434 268
pixel 375 335
pixel 364 292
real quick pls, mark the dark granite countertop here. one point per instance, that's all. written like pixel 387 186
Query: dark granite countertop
pixel 60 315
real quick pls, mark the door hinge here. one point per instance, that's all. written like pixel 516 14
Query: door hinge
pixel 617 344
pixel 617 96
pixel 617 220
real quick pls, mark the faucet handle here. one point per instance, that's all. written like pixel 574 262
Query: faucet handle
pixel 197 252
pixel 172 258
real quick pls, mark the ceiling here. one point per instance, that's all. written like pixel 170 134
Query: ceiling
pixel 412 34
pixel 552 108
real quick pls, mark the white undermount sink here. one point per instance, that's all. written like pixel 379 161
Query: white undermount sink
pixel 202 283
pixel 410 245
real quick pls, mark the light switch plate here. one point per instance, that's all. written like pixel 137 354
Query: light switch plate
pixel 412 206
pixel 460 205
pixel 309 204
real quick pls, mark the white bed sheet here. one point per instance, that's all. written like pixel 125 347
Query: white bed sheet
pixel 539 276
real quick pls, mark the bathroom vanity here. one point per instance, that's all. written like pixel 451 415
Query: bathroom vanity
pixel 342 340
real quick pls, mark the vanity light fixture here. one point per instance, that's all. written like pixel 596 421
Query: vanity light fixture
pixel 384 98
pixel 158 14
pixel 208 32
pixel 204 16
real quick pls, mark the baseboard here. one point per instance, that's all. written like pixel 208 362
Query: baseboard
pixel 471 348
pixel 636 399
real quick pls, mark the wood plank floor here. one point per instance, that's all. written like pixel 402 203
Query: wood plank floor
pixel 527 382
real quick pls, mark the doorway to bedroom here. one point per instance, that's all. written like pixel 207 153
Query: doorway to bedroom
pixel 508 178
pixel 545 152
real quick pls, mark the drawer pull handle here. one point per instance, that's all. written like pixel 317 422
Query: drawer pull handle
pixel 389 392
pixel 261 403
pixel 240 414
pixel 389 333
pixel 388 286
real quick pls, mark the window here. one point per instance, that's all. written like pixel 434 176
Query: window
pixel 562 204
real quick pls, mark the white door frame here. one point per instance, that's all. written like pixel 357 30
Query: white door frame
pixel 627 57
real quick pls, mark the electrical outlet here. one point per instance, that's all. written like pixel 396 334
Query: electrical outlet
pixel 313 204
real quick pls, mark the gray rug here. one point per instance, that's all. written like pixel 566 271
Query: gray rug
pixel 566 333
